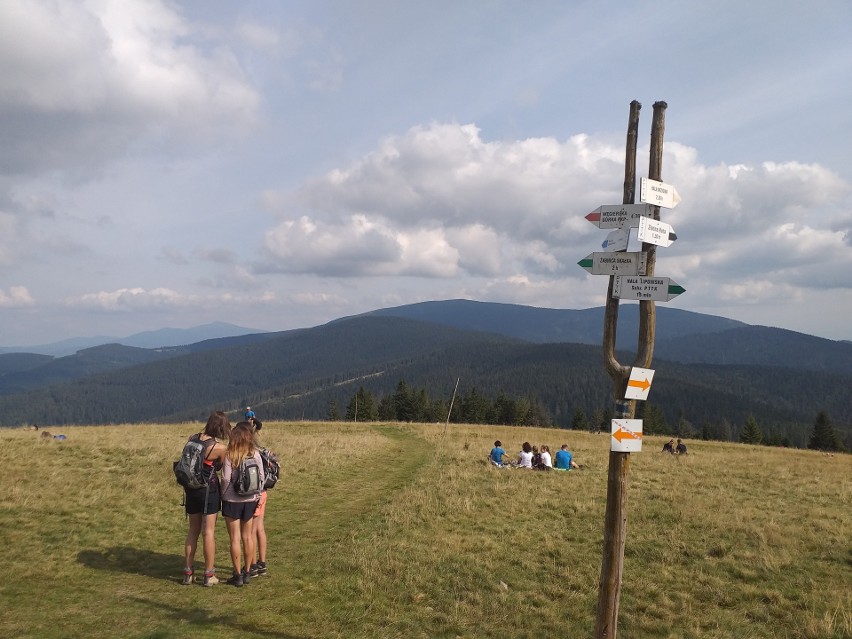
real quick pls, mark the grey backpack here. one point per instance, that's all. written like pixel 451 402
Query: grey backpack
pixel 189 469
pixel 246 479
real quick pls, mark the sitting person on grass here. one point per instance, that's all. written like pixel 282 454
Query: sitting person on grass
pixel 496 454
pixel 546 460
pixel 525 456
pixel 564 459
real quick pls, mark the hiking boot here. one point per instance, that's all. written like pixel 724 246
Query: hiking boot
pixel 210 580
pixel 236 580
pixel 261 567
pixel 246 577
pixel 188 577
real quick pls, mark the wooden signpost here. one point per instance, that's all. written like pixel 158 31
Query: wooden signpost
pixel 631 277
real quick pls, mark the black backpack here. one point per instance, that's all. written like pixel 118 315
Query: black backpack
pixel 246 478
pixel 271 467
pixel 189 469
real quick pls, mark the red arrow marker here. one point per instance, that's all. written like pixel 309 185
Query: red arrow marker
pixel 595 216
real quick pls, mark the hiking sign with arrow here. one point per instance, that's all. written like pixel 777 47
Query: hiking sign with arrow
pixel 656 232
pixel 639 384
pixel 626 435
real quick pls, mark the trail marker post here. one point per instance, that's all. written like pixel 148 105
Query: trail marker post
pixel 629 383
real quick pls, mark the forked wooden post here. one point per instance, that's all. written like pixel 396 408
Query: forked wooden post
pixel 615 524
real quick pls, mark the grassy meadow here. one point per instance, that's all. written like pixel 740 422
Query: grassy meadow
pixel 388 530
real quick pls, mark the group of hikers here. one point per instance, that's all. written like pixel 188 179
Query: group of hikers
pixel 533 457
pixel 670 447
pixel 240 494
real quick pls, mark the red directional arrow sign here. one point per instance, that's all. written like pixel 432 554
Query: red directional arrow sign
pixel 616 216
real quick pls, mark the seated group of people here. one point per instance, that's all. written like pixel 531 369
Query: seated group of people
pixel 534 458
pixel 669 447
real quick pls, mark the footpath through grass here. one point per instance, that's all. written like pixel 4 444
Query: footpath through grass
pixel 97 551
pixel 405 531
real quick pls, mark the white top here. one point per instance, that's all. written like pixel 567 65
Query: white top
pixel 545 459
pixel 525 459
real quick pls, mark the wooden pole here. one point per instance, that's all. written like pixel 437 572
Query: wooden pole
pixel 648 308
pixel 452 401
pixel 615 524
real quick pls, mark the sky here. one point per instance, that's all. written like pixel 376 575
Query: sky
pixel 278 165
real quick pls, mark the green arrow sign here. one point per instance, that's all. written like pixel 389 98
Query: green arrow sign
pixel 618 263
pixel 659 289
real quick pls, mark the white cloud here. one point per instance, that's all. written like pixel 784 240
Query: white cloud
pixel 442 202
pixel 354 246
pixel 130 298
pixel 478 248
pixel 442 199
pixel 17 297
pixel 81 81
pixel 447 173
pixel 140 299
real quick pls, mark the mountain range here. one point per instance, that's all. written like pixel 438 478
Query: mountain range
pixel 163 337
pixel 709 369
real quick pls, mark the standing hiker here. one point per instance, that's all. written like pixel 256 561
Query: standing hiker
pixel 202 504
pixel 243 478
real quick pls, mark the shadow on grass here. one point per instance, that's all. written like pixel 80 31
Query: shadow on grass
pixel 134 561
pixel 214 620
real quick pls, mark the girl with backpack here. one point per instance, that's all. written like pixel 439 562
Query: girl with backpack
pixel 271 468
pixel 243 477
pixel 202 504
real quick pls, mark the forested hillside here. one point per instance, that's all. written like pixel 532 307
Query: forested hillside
pixel 21 372
pixel 548 325
pixel 43 370
pixel 681 336
pixel 303 374
pixel 193 383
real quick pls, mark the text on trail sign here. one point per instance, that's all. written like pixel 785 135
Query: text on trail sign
pixel 658 289
pixel 656 232
pixel 626 435
pixel 615 263
pixel 658 193
pixel 616 216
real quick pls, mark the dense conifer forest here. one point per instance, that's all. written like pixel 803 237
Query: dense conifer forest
pixel 406 370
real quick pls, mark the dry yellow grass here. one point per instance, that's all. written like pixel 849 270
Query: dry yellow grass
pixel 405 531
